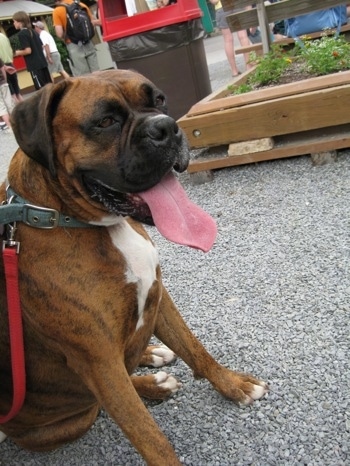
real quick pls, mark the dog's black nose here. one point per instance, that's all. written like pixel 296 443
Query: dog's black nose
pixel 161 129
pixel 156 146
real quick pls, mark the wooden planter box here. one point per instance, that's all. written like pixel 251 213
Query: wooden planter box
pixel 304 117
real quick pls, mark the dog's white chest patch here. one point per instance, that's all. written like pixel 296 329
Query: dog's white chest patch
pixel 141 258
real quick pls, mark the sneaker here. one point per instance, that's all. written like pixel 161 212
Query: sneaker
pixel 6 130
pixel 3 126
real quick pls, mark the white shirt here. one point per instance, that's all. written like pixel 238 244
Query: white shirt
pixel 47 39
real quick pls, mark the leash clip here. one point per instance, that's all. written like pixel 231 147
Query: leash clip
pixel 10 228
pixel 10 242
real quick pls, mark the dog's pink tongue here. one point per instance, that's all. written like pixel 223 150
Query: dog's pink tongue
pixel 177 218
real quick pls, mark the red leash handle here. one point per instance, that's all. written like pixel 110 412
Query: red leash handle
pixel 10 258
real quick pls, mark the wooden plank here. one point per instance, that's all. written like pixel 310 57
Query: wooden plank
pixel 308 142
pixel 224 91
pixel 258 46
pixel 288 40
pixel 275 12
pixel 223 101
pixel 263 25
pixel 233 4
pixel 311 110
pixel 236 4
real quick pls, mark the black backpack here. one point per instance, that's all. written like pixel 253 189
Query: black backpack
pixel 79 26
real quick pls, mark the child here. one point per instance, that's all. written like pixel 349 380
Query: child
pixel 51 52
pixel 31 50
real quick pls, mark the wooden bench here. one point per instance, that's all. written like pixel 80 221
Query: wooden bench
pixel 263 15
pixel 288 40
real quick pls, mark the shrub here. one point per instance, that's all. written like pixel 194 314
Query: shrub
pixel 326 55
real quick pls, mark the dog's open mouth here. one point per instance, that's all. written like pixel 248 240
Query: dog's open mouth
pixel 118 203
pixel 166 206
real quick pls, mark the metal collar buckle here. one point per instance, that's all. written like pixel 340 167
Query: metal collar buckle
pixel 46 218
pixel 40 217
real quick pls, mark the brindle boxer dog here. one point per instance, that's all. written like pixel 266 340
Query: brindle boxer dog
pixel 101 150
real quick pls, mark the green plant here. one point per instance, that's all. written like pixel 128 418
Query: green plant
pixel 241 89
pixel 322 56
pixel 270 67
pixel 14 41
pixel 326 55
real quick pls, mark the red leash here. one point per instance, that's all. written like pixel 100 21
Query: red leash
pixel 10 257
pixel 14 209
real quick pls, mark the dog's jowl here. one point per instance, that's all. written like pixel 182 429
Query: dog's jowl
pixel 96 159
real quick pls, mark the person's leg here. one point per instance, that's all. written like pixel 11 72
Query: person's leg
pixel 91 57
pixel 64 74
pixel 221 23
pixel 51 70
pixel 5 103
pixel 36 80
pixel 244 41
pixel 19 98
pixel 229 50
pixel 78 60
pixel 41 77
pixel 57 67
pixel 12 80
pixel 60 68
pixel 6 119
pixel 4 114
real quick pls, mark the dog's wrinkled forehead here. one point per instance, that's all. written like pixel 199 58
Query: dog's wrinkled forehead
pixel 126 88
pixel 44 123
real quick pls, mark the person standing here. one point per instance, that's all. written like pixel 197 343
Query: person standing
pixel 31 50
pixel 5 97
pixel 6 54
pixel 83 56
pixel 51 52
pixel 243 38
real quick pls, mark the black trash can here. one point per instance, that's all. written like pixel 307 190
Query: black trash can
pixel 172 56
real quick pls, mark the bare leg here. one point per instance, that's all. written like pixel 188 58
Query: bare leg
pixel 6 119
pixel 19 98
pixel 64 74
pixel 229 50
pixel 244 41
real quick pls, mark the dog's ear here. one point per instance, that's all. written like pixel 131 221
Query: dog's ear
pixel 31 121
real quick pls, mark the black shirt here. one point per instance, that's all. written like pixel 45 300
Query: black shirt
pixel 29 38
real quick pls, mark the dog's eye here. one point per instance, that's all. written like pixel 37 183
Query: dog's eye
pixel 160 100
pixel 106 122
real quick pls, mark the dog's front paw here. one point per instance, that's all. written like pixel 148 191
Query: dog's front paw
pixel 253 389
pixel 157 356
pixel 167 382
pixel 157 387
pixel 240 388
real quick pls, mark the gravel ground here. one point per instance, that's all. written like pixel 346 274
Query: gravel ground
pixel 271 298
